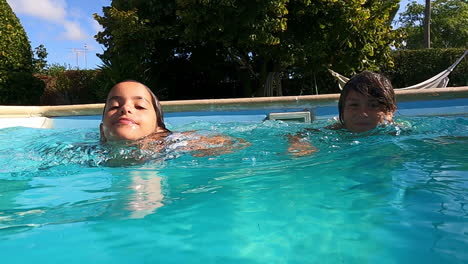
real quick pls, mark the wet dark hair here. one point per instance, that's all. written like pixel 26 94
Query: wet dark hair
pixel 154 101
pixel 369 84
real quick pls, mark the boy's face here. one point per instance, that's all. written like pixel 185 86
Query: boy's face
pixel 363 113
pixel 129 113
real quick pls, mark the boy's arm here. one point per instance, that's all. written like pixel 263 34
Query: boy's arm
pixel 215 145
pixel 299 145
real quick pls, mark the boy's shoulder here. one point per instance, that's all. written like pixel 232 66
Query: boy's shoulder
pixel 335 126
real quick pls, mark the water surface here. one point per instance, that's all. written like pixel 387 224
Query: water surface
pixel 394 195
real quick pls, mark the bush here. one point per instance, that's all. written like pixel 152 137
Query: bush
pixel 23 89
pixel 69 87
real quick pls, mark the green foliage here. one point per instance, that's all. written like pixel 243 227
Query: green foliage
pixel 128 41
pixel 69 86
pixel 17 85
pixel 21 88
pixel 449 24
pixel 15 52
pixel 163 43
pixel 415 66
pixel 39 59
pixel 108 75
pixel 55 69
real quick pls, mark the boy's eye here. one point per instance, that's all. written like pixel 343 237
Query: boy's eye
pixel 113 107
pixel 353 105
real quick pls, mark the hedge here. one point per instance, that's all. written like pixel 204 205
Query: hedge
pixel 415 66
pixel 71 87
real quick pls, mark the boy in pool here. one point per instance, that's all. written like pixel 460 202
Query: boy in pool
pixel 132 113
pixel 366 101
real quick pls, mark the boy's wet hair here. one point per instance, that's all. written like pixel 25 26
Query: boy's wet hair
pixel 369 84
pixel 154 101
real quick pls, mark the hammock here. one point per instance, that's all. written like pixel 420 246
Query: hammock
pixel 437 81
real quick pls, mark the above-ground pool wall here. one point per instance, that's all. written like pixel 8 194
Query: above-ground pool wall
pixel 437 101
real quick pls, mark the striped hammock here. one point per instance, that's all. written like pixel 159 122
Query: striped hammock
pixel 437 81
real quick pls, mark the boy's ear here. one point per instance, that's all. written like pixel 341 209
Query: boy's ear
pixel 389 116
pixel 101 132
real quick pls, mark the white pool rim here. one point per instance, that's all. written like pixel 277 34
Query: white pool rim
pixel 39 116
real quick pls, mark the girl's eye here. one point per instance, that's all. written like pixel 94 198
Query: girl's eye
pixel 353 105
pixel 113 107
pixel 140 107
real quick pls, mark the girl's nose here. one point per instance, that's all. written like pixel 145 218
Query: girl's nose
pixel 125 109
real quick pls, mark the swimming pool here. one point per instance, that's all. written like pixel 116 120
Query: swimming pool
pixel 397 195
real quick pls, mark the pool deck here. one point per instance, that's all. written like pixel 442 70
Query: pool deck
pixel 305 101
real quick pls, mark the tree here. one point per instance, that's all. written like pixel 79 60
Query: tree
pixel 449 24
pixel 260 40
pixel 39 59
pixel 17 85
pixel 14 44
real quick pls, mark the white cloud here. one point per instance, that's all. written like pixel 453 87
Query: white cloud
pixel 73 31
pixel 51 10
pixel 54 11
pixel 95 25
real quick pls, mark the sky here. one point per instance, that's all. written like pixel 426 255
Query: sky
pixel 67 28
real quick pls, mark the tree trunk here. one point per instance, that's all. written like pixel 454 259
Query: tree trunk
pixel 427 25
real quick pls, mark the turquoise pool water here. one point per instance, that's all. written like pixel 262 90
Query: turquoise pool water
pixel 394 195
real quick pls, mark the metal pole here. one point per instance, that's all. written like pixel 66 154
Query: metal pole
pixel 86 61
pixel 315 83
pixel 77 66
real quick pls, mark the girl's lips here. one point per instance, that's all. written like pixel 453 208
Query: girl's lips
pixel 125 121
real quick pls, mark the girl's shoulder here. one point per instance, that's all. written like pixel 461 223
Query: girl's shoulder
pixel 182 136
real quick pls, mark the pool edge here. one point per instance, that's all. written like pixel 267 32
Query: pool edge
pixel 228 104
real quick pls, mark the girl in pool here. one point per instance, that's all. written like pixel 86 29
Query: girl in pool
pixel 132 113
pixel 366 101
pixel 133 116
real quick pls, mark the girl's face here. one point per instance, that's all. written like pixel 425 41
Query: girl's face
pixel 363 113
pixel 129 113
